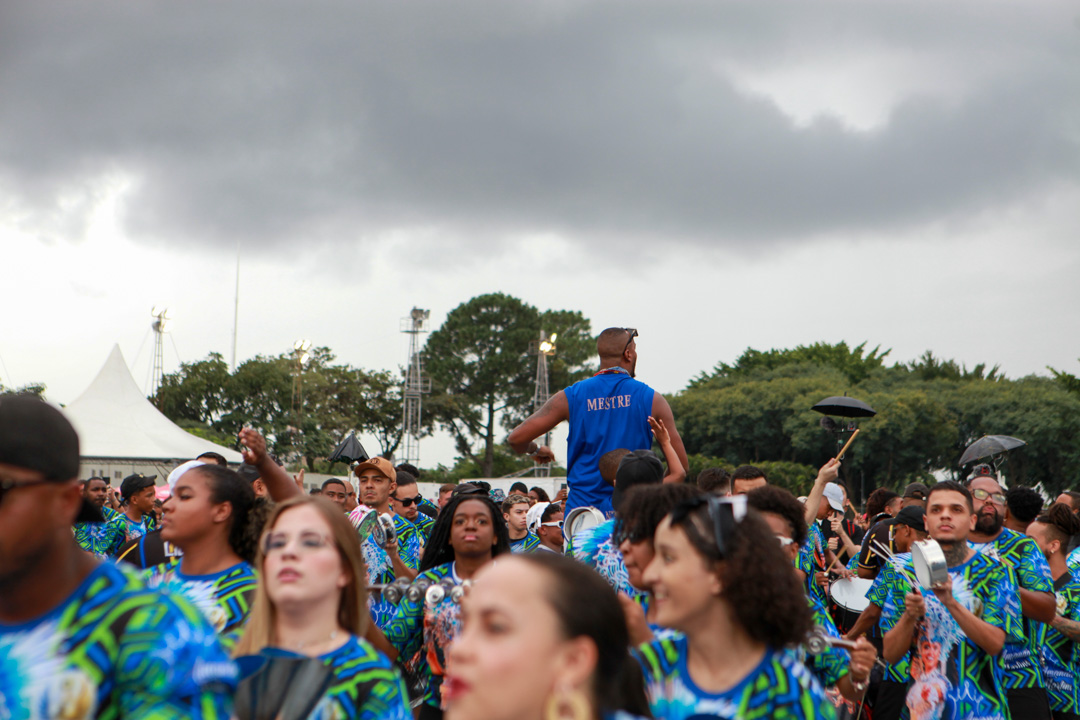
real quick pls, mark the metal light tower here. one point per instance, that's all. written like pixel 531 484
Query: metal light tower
pixel 160 326
pixel 416 386
pixel 543 349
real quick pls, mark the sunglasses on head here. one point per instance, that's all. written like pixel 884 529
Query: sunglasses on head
pixel 406 502
pixel 633 334
pixel 621 533
pixel 725 513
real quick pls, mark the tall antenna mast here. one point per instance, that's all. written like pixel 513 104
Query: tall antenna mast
pixel 544 349
pixel 416 385
pixel 160 326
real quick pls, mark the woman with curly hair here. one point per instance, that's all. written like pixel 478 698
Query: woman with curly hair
pixel 468 534
pixel 720 578
pixel 213 518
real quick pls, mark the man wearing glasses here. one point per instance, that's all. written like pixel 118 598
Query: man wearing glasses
pixel 406 500
pixel 1021 673
pixel 608 411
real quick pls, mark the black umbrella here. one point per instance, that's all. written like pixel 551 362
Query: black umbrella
pixel 988 446
pixel 349 451
pixel 844 406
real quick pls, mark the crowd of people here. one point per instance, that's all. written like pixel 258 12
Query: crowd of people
pixel 239 593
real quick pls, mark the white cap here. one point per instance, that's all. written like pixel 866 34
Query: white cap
pixel 180 470
pixel 835 495
pixel 533 516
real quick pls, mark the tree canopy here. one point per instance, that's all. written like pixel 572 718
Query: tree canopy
pixel 928 411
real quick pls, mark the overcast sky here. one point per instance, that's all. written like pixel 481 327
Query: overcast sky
pixel 718 175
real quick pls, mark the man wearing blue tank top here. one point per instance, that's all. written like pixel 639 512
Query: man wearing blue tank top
pixel 608 411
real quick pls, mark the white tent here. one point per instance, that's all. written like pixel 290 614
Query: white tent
pixel 117 423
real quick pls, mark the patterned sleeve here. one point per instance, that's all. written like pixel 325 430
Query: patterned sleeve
pixel 1001 602
pixel 405 631
pixel 1032 570
pixel 114 535
pixel 888 592
pixel 828 667
pixel 171 665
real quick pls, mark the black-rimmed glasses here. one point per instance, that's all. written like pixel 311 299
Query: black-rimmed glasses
pixel 406 502
pixel 6 485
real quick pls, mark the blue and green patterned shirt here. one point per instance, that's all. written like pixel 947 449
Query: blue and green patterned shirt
pixel 224 598
pixel 365 685
pixel 103 539
pixel 779 687
pixel 428 630
pixel 424 524
pixel 129 529
pixel 950 673
pixel 529 543
pixel 595 548
pixel 828 667
pixel 115 649
pixel 811 560
pixel 888 589
pixel 1020 662
pixel 380 569
pixel 1060 655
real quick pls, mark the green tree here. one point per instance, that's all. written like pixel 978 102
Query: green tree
pixel 482 372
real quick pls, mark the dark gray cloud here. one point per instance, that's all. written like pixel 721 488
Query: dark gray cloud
pixel 282 122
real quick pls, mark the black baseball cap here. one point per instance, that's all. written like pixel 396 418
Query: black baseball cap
pixel 248 472
pixel 638 467
pixel 914 516
pixel 134 483
pixel 36 436
pixel 917 490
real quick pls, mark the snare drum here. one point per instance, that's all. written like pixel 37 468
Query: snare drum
pixel 847 601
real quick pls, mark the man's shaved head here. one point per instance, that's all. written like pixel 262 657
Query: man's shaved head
pixel 612 342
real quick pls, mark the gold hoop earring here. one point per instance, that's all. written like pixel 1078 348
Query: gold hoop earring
pixel 568 705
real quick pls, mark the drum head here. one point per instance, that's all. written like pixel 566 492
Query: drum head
pixel 366 522
pixel 929 562
pixel 581 518
pixel 851 594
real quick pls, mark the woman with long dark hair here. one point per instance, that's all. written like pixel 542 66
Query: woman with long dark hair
pixel 542 636
pixel 720 578
pixel 468 534
pixel 311 602
pixel 213 518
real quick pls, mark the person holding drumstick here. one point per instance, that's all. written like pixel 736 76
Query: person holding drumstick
pixel 836 667
pixel 956 630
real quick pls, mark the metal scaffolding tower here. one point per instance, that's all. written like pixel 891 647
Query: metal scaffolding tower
pixel 544 348
pixel 160 326
pixel 415 387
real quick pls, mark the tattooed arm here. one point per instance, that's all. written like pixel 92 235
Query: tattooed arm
pixel 1068 628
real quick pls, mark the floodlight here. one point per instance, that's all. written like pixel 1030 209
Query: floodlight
pixel 302 346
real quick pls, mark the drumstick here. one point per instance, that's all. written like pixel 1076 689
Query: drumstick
pixel 843 450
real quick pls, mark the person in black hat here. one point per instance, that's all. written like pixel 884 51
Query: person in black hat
pixel 896 533
pixel 137 517
pixel 915 494
pixel 87 639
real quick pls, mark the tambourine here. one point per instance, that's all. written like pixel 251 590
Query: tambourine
pixel 581 518
pixel 928 558
pixel 421 589
pixel 369 523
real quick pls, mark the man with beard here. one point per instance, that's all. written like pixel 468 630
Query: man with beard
pixel 948 637
pixel 98 538
pixel 1021 671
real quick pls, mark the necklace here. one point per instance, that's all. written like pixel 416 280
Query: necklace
pixel 307 643
pixel 611 371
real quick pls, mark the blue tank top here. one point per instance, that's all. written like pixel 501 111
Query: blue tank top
pixel 607 412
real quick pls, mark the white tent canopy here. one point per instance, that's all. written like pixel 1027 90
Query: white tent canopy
pixel 115 421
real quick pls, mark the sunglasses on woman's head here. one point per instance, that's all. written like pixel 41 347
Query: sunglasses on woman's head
pixel 725 513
